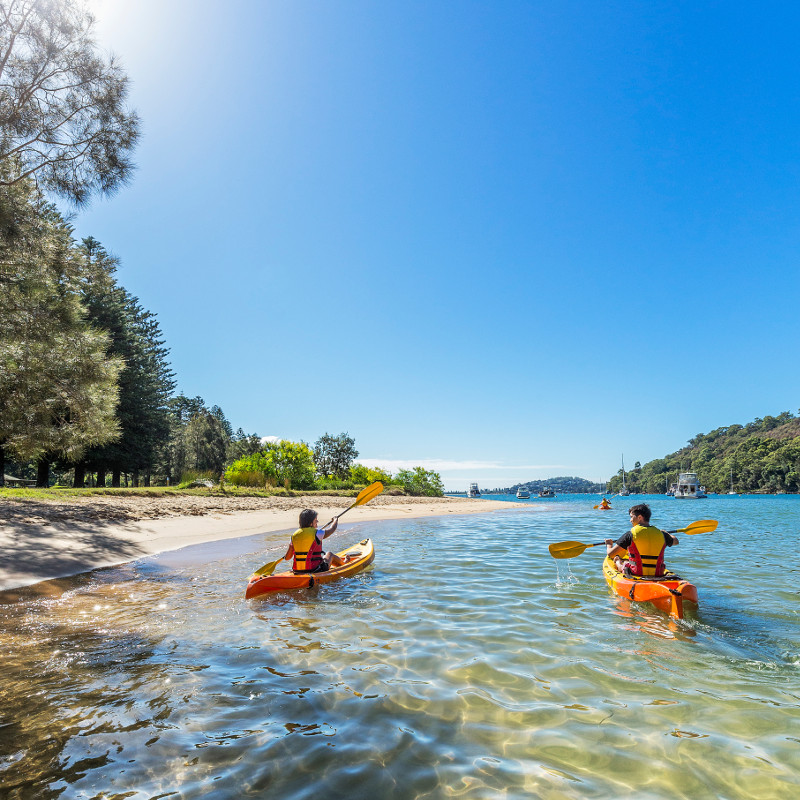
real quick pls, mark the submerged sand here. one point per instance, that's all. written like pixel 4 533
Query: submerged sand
pixel 45 539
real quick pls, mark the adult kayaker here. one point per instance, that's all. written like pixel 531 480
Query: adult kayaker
pixel 645 545
pixel 604 504
pixel 306 545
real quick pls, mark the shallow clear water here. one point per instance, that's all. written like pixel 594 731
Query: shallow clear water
pixel 465 663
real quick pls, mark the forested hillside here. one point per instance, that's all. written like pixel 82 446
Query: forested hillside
pixel 762 456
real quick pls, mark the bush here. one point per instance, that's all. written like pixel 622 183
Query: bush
pixel 287 464
pixel 421 482
pixel 367 475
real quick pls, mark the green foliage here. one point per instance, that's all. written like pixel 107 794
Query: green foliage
pixel 62 104
pixel 145 383
pixel 288 464
pixel 364 476
pixel 421 482
pixel 334 455
pixel 762 456
pixel 58 386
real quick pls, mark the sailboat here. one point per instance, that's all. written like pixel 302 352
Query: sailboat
pixel 731 491
pixel 624 491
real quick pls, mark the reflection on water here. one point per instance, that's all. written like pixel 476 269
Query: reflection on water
pixel 500 673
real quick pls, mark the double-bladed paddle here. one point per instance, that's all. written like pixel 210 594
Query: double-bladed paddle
pixel 572 549
pixel 364 496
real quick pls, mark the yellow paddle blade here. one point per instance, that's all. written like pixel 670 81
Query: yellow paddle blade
pixel 569 549
pixel 365 495
pixel 268 569
pixel 701 526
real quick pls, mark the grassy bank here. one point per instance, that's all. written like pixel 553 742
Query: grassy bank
pixel 58 493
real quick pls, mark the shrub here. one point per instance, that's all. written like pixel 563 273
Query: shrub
pixel 287 464
pixel 421 482
pixel 366 475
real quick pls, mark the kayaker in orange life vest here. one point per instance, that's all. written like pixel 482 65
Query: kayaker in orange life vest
pixel 306 545
pixel 644 543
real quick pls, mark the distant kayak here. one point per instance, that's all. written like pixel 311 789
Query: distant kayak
pixel 667 593
pixel 284 581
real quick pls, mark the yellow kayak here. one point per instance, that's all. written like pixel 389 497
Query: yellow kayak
pixel 666 593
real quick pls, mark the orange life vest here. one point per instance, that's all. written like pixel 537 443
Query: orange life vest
pixel 307 550
pixel 647 551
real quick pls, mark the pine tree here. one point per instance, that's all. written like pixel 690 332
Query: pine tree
pixel 146 382
pixel 58 387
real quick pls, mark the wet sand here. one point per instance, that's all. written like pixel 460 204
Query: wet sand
pixel 41 539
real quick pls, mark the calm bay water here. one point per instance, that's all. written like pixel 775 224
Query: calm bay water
pixel 465 663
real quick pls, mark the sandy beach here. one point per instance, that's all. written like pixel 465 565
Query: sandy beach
pixel 43 540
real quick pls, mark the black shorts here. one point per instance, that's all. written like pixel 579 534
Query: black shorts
pixel 323 566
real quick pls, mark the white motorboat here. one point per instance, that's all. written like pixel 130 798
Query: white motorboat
pixel 689 488
pixel 473 490
pixel 523 493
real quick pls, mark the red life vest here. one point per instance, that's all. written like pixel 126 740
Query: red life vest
pixel 647 551
pixel 307 550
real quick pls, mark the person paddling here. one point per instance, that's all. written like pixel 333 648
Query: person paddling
pixel 604 504
pixel 645 545
pixel 306 545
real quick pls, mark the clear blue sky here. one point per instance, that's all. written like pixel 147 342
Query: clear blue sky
pixel 503 240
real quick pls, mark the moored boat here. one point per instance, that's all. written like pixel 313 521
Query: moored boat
pixel 547 492
pixel 689 488
pixel 624 491
pixel 523 493
pixel 258 586
pixel 473 490
pixel 666 593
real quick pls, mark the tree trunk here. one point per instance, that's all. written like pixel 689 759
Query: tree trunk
pixel 79 481
pixel 42 473
pixel 135 478
pixel 2 465
pixel 146 481
pixel 101 478
pixel 115 473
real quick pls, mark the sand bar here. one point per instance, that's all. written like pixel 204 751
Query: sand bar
pixel 41 540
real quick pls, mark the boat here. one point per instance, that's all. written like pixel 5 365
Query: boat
pixel 547 492
pixel 624 491
pixel 666 593
pixel 731 491
pixel 523 493
pixel 473 490
pixel 689 488
pixel 259 586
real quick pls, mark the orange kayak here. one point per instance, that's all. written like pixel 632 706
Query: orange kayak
pixel 283 581
pixel 666 594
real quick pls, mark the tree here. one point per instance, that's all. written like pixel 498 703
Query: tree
pixel 58 386
pixel 206 443
pixel 63 120
pixel 419 481
pixel 334 455
pixel 243 444
pixel 146 382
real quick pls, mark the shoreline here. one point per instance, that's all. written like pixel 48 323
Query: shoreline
pixel 43 541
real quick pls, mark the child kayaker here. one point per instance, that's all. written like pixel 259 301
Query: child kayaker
pixel 306 545
pixel 644 543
